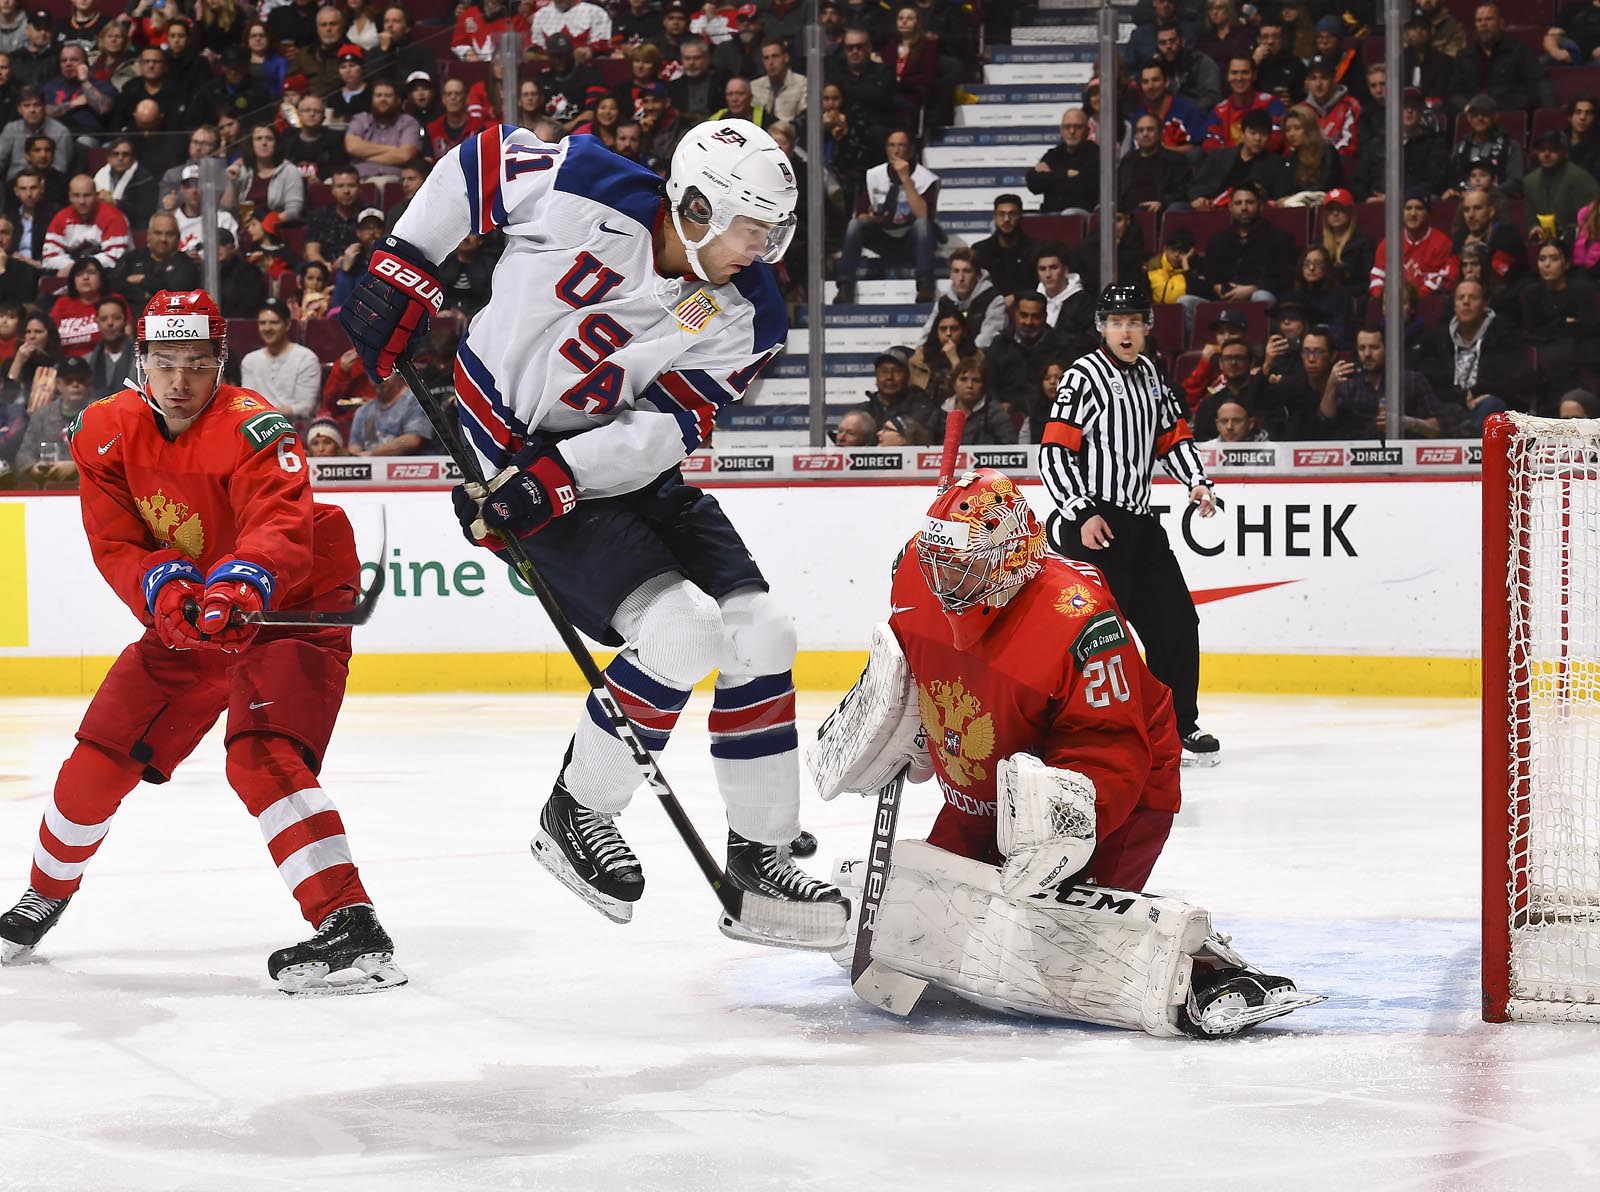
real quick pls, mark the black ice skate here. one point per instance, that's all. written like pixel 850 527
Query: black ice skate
pixel 351 953
pixel 584 851
pixel 1225 1001
pixel 24 925
pixel 1200 748
pixel 782 905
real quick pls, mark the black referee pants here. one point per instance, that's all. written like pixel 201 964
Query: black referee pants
pixel 1149 586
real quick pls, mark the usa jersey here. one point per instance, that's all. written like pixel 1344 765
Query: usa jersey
pixel 582 333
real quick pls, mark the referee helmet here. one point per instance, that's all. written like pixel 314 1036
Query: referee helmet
pixel 1123 298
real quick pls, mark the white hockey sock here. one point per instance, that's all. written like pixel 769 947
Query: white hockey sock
pixel 602 774
pixel 755 752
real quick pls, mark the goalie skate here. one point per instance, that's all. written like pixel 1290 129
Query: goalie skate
pixel 351 953
pixel 583 850
pixel 1228 1001
pixel 24 925
pixel 782 907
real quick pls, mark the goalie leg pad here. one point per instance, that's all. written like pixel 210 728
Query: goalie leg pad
pixel 1087 953
pixel 1045 825
pixel 876 730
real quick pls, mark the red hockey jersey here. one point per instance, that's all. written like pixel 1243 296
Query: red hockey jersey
pixel 1058 676
pixel 233 485
pixel 1429 262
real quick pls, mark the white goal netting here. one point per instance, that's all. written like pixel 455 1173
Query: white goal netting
pixel 1553 788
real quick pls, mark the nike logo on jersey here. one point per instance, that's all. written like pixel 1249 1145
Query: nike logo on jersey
pixel 895 609
pixel 106 446
pixel 613 231
pixel 262 704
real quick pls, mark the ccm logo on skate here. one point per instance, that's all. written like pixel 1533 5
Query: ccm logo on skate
pixel 408 279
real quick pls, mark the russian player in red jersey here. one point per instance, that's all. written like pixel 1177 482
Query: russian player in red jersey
pixel 197 504
pixel 1009 674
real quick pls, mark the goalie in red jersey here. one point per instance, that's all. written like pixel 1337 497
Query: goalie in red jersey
pixel 197 504
pixel 1008 674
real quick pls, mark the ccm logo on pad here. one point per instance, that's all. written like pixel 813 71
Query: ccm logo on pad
pixel 424 289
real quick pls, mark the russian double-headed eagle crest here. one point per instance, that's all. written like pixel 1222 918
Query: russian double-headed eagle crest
pixel 172 523
pixel 959 730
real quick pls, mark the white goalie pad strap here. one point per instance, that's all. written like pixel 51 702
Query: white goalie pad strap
pixel 1045 824
pixel 875 731
pixel 1087 953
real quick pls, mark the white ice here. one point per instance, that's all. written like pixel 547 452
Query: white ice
pixel 540 1046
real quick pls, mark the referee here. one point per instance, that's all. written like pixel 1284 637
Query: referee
pixel 1113 418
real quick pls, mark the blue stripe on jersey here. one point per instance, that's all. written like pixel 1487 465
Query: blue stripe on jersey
pixel 469 168
pixel 759 284
pixel 498 132
pixel 688 422
pixel 593 171
pixel 707 386
pixel 479 372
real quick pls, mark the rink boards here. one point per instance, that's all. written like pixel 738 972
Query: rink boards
pixel 1337 586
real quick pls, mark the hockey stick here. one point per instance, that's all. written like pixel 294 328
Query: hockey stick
pixel 359 614
pixel 873 982
pixel 753 912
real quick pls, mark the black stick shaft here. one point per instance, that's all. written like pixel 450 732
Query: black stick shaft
pixel 467 461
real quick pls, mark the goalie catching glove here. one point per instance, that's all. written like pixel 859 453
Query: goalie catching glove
pixel 387 315
pixel 1046 824
pixel 522 500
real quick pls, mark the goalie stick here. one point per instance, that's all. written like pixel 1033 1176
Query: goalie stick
pixel 876 983
pixel 769 920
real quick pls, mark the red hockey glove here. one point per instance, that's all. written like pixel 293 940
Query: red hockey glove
pixel 169 587
pixel 234 589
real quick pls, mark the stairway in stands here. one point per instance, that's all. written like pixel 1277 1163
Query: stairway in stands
pixel 1026 87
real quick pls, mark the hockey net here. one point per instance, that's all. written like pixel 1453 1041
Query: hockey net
pixel 1541 719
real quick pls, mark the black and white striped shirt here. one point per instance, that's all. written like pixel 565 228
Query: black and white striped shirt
pixel 1107 428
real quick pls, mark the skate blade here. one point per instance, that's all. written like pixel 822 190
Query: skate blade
pixel 1200 761
pixel 372 973
pixel 1234 1021
pixel 781 923
pixel 11 953
pixel 554 861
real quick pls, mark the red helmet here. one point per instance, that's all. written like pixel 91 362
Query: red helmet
pixel 980 543
pixel 183 316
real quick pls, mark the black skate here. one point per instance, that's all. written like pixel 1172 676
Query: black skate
pixel 584 851
pixel 803 845
pixel 1200 748
pixel 782 905
pixel 351 953
pixel 1225 1001
pixel 24 925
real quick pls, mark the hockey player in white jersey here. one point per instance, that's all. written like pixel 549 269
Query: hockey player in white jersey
pixel 624 314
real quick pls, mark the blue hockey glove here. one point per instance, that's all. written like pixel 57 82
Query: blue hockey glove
pixel 387 314
pixel 521 500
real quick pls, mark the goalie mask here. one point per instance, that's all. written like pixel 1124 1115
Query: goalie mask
pixel 731 176
pixel 979 544
pixel 182 336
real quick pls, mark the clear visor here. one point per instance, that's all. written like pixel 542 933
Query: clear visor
pixel 750 237
pixel 187 359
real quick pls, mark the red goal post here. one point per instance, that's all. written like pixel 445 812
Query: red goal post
pixel 1541 719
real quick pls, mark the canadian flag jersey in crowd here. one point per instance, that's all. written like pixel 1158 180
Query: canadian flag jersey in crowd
pixel 233 485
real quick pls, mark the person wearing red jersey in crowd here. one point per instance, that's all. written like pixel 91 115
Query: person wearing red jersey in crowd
pixel 1222 130
pixel 1008 673
pixel 588 25
pixel 478 26
pixel 1337 111
pixel 74 310
pixel 86 226
pixel 1428 259
pixel 197 504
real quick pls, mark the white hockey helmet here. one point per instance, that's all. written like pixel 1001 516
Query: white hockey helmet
pixel 724 169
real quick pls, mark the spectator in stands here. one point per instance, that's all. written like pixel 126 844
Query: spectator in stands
pixel 422 99
pixel 412 176
pixel 318 150
pixel 41 157
pixel 352 97
pixel 187 66
pixel 1069 307
pixel 1575 403
pixel 1296 384
pixel 1560 320
pixel 1445 33
pixel 846 150
pixel 294 23
pixel 941 350
pixel 87 226
pixel 972 296
pixel 897 219
pixel 1425 154
pixel 1556 191
pixel 191 225
pixel 1486 143
pixel 8 91
pixel 1151 177
pixel 347 386
pixel 1278 71
pixel 271 192
pixel 698 89
pixel 243 285
pixel 899 431
pixel 1007 254
pixel 73 311
pixel 234 91
pixel 1122 133
pixel 352 263
pixel 572 88
pixel 675 30
pixel 988 422
pixel 158 265
pixel 1183 125
pixel 1317 292
pixel 607 117
pixel 126 184
pixel 1337 112
pixel 1350 250
pixel 1250 260
pixel 1235 423
pixel 662 126
pixel 1583 141
pixel 44 458
pixel 1426 68
pixel 362 24
pixel 1478 222
pixel 1068 175
pixel 384 139
pixel 1352 405
pixel 111 365
pixel 1235 382
pixel 630 140
pixel 1017 358
pixel 1141 44
pixel 267 66
pixel 1499 65
pixel 1222 129
pixel 1171 273
pixel 285 373
pixel 324 438
pixel 875 16
pixel 316 293
pixel 867 86
pixel 454 125
pixel 895 395
pixel 392 424
pixel 635 25
pixel 34 62
pixel 31 214
pixel 398 54
pixel 466 276
pixel 1191 76
pixel 74 97
pixel 1486 357
pixel 1475 266
pixel 914 57
pixel 39 352
pixel 739 105
pixel 319 62
pixel 1229 327
pixel 203 143
pixel 1224 35
pixel 1309 168
pixel 13 26
pixel 856 429
pixel 740 55
pixel 779 90
pixel 19 281
pixel 1427 256
pixel 31 121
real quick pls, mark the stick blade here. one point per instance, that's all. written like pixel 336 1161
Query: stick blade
pixel 883 987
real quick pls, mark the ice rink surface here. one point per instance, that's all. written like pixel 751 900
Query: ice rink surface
pixel 540 1046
